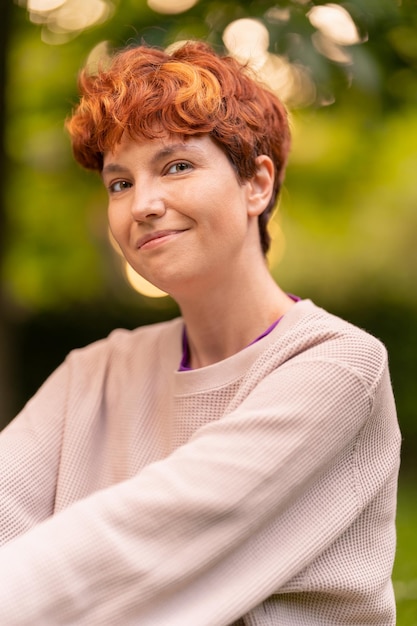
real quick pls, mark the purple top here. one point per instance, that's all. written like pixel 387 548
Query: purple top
pixel 185 361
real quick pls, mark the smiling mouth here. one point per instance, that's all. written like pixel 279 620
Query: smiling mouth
pixel 153 240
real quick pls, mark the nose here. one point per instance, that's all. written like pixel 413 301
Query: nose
pixel 147 204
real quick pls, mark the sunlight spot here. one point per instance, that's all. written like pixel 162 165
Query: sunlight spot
pixel 141 285
pixel 275 14
pixel 331 49
pixel 56 39
pixel 135 280
pixel 99 57
pixel 76 15
pixel 291 82
pixel 335 23
pixel 44 5
pixel 247 40
pixel 171 6
pixel 63 19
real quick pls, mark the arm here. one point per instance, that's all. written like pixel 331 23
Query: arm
pixel 29 458
pixel 194 538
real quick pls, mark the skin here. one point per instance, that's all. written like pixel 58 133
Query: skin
pixel 184 221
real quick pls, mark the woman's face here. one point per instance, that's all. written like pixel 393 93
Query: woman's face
pixel 178 211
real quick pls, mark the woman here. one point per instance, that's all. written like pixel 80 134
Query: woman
pixel 237 465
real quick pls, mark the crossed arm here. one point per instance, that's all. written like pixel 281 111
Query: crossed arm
pixel 200 537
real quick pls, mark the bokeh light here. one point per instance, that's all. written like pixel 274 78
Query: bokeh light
pixel 64 19
pixel 333 21
pixel 141 285
pixel 171 6
pixel 99 57
pixel 44 5
pixel 335 30
pixel 248 41
pixel 135 280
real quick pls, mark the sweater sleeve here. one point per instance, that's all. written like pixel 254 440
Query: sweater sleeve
pixel 206 534
pixel 29 459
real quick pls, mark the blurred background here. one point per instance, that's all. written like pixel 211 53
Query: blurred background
pixel 344 234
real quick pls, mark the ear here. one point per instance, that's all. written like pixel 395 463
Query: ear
pixel 260 187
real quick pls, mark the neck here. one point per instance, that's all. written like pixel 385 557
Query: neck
pixel 227 318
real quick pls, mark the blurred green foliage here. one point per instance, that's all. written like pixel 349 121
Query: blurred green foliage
pixel 405 567
pixel 349 202
pixel 346 225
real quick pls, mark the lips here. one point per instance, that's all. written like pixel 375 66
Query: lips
pixel 154 236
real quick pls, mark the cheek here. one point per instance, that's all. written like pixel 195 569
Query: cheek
pixel 232 212
pixel 115 222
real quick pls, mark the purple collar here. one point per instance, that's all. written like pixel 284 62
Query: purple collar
pixel 185 360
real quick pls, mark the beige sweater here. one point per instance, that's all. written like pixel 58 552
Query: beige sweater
pixel 260 490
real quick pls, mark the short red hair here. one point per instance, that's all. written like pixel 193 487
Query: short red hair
pixel 148 92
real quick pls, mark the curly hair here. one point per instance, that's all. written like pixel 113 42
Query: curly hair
pixel 147 92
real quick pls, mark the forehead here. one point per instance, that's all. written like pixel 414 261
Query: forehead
pixel 152 150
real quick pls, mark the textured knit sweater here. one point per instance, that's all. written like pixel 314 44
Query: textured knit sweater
pixel 259 490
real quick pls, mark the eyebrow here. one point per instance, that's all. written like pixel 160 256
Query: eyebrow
pixel 114 168
pixel 163 153
pixel 171 149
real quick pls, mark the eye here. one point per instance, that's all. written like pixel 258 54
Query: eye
pixel 118 186
pixel 179 167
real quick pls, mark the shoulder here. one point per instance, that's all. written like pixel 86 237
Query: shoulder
pixel 123 345
pixel 308 332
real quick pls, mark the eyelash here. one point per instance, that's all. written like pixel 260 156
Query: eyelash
pixel 176 164
pixel 119 182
